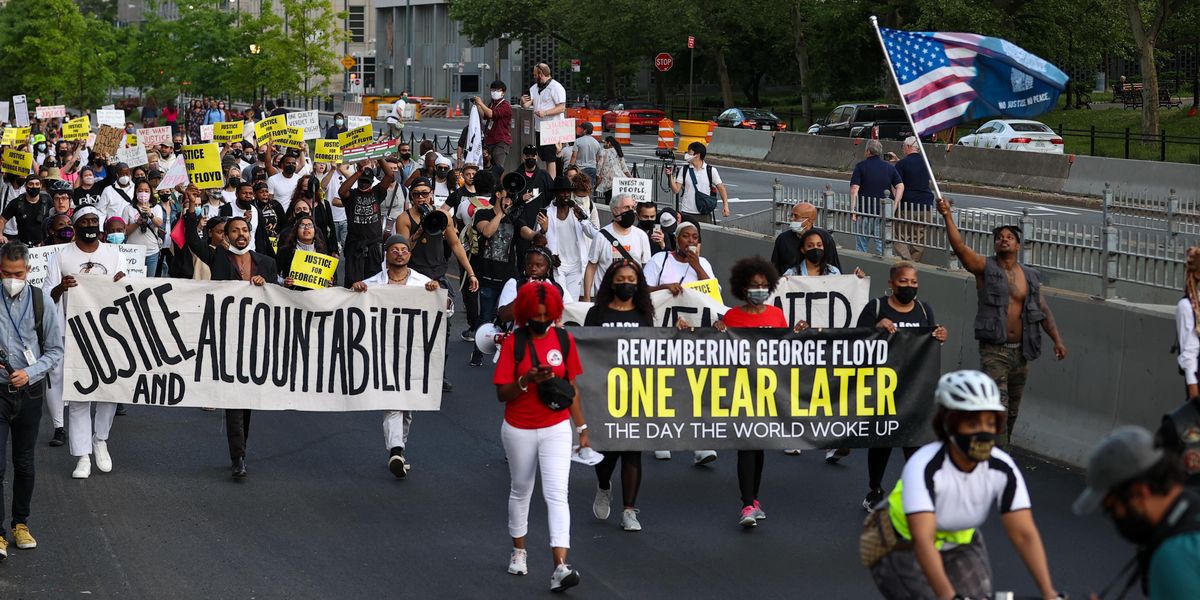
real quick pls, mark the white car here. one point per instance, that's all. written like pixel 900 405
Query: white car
pixel 1013 134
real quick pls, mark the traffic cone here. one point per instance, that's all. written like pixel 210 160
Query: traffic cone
pixel 666 134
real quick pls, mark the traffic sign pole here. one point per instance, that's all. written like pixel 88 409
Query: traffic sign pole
pixel 691 71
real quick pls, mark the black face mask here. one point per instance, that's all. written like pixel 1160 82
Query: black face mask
pixel 531 163
pixel 33 192
pixel 443 172
pixel 977 446
pixel 89 233
pixel 627 219
pixel 624 291
pixel 405 155
pixel 814 255
pixel 289 170
pixel 368 174
pixel 242 204
pixel 539 327
pixel 646 225
pixel 178 146
pixel 1135 527
pixel 905 293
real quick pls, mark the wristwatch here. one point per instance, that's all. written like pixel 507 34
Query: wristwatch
pixel 581 428
pixel 521 385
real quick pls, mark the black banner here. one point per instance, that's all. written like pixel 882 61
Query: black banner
pixel 665 389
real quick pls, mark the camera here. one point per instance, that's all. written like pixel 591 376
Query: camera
pixel 665 154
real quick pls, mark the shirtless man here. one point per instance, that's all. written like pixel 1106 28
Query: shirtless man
pixel 1010 310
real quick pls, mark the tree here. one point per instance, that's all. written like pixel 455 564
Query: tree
pixel 1145 36
pixel 309 33
pixel 50 51
pixel 261 57
pixel 201 41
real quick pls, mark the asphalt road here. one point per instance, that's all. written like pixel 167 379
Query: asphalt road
pixel 321 517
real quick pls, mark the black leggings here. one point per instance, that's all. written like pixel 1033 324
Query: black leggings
pixel 631 474
pixel 877 460
pixel 749 468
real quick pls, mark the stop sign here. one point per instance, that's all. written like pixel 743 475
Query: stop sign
pixel 663 62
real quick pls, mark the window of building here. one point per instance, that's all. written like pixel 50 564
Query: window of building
pixel 357 23
pixel 368 71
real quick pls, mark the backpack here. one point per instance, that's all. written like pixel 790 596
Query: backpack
pixel 705 203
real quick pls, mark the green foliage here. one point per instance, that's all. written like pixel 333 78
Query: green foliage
pixel 48 50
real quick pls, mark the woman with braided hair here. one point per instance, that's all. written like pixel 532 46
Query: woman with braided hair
pixel 1187 316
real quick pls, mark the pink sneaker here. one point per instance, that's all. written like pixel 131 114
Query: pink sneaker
pixel 758 511
pixel 748 519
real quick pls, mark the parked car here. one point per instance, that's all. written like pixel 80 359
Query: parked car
pixel 750 118
pixel 1014 134
pixel 643 116
pixel 871 121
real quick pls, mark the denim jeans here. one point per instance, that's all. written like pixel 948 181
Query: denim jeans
pixel 867 231
pixel 152 264
pixel 489 297
pixel 20 418
pixel 341 228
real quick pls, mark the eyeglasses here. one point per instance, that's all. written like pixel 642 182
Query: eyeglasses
pixel 420 194
pixel 305 226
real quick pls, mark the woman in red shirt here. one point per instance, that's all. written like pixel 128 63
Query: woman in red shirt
pixel 753 280
pixel 534 435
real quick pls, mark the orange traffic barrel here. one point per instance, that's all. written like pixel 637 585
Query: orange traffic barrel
pixel 712 126
pixel 623 137
pixel 596 117
pixel 666 134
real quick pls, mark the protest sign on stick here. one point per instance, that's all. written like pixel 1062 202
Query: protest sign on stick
pixel 77 129
pixel 204 165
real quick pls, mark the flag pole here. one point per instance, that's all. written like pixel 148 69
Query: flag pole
pixel 937 193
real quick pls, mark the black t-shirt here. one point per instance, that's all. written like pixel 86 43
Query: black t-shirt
pixel 81 197
pixel 606 316
pixel 920 316
pixel 30 218
pixel 363 221
pixel 496 262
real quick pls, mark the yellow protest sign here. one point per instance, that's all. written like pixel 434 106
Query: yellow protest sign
pixel 311 270
pixel 359 136
pixel 77 129
pixel 292 137
pixel 204 165
pixel 14 136
pixel 16 162
pixel 328 151
pixel 131 141
pixel 268 128
pixel 227 132
pixel 707 286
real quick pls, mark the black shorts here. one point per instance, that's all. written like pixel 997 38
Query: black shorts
pixel 548 154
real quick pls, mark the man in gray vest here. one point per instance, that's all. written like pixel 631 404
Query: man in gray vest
pixel 1009 312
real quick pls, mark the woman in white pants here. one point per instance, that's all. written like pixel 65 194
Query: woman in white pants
pixel 535 435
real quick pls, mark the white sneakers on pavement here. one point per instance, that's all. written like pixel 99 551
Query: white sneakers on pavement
pixel 103 460
pixel 564 577
pixel 83 468
pixel 602 505
pixel 662 454
pixel 517 562
pixel 629 520
pixel 703 457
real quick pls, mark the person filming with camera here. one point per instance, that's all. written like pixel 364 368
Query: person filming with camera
pixel 144 222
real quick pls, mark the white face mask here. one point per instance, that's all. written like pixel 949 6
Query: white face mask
pixel 799 226
pixel 123 180
pixel 13 286
pixel 497 95
pixel 688 157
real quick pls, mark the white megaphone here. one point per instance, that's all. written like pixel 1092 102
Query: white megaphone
pixel 488 338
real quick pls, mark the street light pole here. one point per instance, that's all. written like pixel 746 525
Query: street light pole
pixel 408 85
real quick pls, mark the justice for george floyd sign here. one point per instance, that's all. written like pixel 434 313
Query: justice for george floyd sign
pixel 173 342
pixel 747 389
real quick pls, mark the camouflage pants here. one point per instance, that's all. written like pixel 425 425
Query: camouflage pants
pixel 898 575
pixel 1009 369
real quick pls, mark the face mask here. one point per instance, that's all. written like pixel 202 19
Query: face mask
pixel 198 210
pixel 757 296
pixel 89 233
pixel 238 251
pixel 1133 526
pixel 530 163
pixel 905 293
pixel 624 291
pixel 116 238
pixel 33 192
pixel 249 157
pixel 977 446
pixel 443 172
pixel 142 196
pixel 798 226
pixel 405 155
pixel 688 157
pixel 89 179
pixel 539 327
pixel 814 255
pixel 497 95
pixel 289 170
pixel 627 219
pixel 339 122
pixel 13 286
pixel 123 180
pixel 646 225
pixel 243 204
pixel 42 147
pixel 66 233
pixel 178 146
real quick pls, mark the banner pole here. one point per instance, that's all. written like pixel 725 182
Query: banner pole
pixel 937 193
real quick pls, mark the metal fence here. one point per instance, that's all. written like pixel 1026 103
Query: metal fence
pixel 1142 241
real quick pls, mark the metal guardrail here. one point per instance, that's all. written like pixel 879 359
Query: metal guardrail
pixel 1150 252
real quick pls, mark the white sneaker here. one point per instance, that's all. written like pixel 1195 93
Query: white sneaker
pixel 602 505
pixel 564 577
pixel 703 457
pixel 792 451
pixel 83 468
pixel 629 520
pixel 834 455
pixel 103 460
pixel 662 455
pixel 516 562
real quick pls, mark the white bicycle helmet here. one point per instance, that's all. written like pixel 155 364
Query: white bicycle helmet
pixel 968 391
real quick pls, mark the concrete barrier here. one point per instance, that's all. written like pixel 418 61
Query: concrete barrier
pixel 816 151
pixel 1133 177
pixel 1118 369
pixel 741 143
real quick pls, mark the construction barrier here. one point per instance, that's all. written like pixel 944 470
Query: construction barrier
pixel 623 136
pixel 712 127
pixel 741 143
pixel 666 134
pixel 596 118
pixel 691 131
pixel 1136 177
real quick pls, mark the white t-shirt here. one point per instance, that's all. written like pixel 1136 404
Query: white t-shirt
pixel 209 210
pixel 335 182
pixel 603 253
pixel 961 500
pixel 228 196
pixel 441 191
pixel 566 231
pixel 552 96
pixel 664 268
pixel 687 199
pixel 70 260
pixel 282 187
pixel 143 236
pixel 381 279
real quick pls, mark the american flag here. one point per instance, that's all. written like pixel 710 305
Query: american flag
pixel 935 71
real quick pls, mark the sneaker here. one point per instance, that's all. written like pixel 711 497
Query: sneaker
pixel 564 577
pixel 874 497
pixel 59 438
pixel 476 358
pixel 103 459
pixel 468 335
pixel 121 411
pixel 629 520
pixel 398 466
pixel 3 548
pixel 758 511
pixel 23 539
pixel 834 455
pixel 703 457
pixel 792 451
pixel 662 454
pixel 447 387
pixel 602 505
pixel 517 562
pixel 83 468
pixel 748 519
